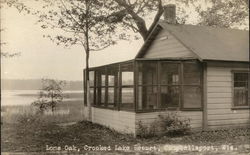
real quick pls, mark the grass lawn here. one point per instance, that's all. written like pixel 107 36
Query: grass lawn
pixel 38 134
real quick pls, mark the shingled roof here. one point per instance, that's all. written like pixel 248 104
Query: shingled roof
pixel 207 43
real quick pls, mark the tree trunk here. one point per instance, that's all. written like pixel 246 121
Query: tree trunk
pixel 87 2
pixel 88 87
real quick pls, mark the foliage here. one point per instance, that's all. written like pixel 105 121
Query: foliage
pixel 142 130
pixel 50 95
pixel 9 54
pixel 134 14
pixel 5 54
pixel 225 13
pixel 71 20
pixel 169 125
pixel 81 23
pixel 77 22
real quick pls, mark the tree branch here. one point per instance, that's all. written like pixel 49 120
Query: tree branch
pixel 140 23
pixel 103 47
pixel 69 13
pixel 157 17
pixel 131 26
pixel 142 6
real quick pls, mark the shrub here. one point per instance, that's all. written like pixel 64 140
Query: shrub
pixel 169 125
pixel 142 130
pixel 172 125
pixel 50 95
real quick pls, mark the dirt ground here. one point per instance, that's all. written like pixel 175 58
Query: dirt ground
pixel 32 134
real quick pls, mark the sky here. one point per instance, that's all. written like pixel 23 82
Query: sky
pixel 41 58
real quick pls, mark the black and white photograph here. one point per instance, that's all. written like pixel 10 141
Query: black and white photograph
pixel 93 77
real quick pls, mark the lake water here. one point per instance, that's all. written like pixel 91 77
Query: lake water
pixel 17 97
pixel 17 102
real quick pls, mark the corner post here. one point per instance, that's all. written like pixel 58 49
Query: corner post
pixel 204 97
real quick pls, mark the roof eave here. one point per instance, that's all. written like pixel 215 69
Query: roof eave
pixel 220 60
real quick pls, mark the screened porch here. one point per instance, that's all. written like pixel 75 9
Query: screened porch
pixel 147 85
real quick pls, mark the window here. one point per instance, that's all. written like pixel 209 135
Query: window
pixel 240 89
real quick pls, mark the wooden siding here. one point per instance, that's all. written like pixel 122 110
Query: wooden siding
pixel 220 97
pixel 194 116
pixel 121 121
pixel 166 45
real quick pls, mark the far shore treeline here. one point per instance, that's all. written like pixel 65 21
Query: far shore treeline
pixel 35 84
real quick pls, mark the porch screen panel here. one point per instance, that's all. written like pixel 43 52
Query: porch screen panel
pixel 127 98
pixel 100 86
pixel 191 73
pixel 112 86
pixel 191 97
pixel 147 73
pixel 170 84
pixel 170 96
pixel 127 86
pixel 191 85
pixel 91 84
pixel 147 85
pixel 147 97
pixel 170 73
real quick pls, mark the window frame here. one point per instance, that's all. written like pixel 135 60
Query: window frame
pixel 181 85
pixel 115 87
pixel 201 86
pixel 121 86
pixel 135 85
pixel 118 87
pixel 233 105
pixel 142 85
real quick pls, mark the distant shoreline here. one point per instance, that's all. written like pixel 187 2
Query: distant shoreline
pixel 36 84
pixel 26 97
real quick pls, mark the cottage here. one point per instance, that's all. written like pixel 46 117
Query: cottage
pixel 200 72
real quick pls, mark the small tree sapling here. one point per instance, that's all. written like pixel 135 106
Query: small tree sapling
pixel 50 95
